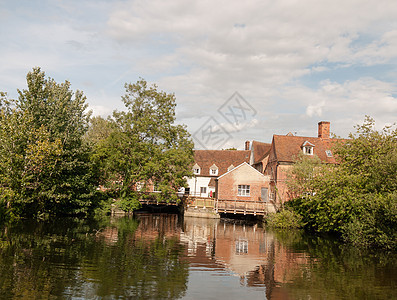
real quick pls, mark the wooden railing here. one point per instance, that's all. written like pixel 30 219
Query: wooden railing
pixel 200 202
pixel 246 207
pixel 150 199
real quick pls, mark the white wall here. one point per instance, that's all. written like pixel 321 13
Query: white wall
pixel 195 183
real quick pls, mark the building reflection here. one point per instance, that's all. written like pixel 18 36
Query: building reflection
pixel 247 251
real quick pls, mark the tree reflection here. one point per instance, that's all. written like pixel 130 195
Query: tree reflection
pixel 308 266
pixel 149 257
pixel 100 258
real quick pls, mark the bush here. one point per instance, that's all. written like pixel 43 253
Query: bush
pixel 284 219
pixel 373 223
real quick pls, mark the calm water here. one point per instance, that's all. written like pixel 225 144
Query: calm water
pixel 165 257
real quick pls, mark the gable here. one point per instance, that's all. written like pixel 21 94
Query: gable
pixel 244 169
pixel 222 159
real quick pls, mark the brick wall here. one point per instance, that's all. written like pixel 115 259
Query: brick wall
pixel 244 175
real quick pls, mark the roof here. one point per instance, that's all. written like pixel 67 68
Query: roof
pixel 260 150
pixel 288 147
pixel 243 164
pixel 221 158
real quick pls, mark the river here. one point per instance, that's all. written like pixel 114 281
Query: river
pixel 163 256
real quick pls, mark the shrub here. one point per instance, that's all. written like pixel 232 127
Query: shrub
pixel 284 219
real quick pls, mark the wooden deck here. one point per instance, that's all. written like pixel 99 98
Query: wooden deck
pixel 200 202
pixel 245 207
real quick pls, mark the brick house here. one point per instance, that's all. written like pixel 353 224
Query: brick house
pixel 243 184
pixel 284 152
pixel 209 165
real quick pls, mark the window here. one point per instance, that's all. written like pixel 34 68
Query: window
pixel 231 167
pixel 203 190
pixel 196 169
pixel 243 190
pixel 328 152
pixel 308 150
pixel 156 188
pixel 271 196
pixel 213 170
pixel 241 246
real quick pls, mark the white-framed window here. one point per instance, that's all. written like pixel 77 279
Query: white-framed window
pixel 196 169
pixel 243 190
pixel 213 170
pixel 308 150
pixel 203 190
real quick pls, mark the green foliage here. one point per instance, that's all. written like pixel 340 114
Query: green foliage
pixel 144 147
pixel 301 180
pixel 357 198
pixel 98 131
pixel 44 166
pixel 374 222
pixel 284 219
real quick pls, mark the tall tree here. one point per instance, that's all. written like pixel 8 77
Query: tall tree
pixel 45 167
pixel 146 147
pixel 99 130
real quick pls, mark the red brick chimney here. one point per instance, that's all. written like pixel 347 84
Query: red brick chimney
pixel 323 129
pixel 247 145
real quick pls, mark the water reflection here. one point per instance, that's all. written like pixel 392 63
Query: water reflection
pixel 165 257
pixel 290 264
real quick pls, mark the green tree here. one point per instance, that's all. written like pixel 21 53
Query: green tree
pixel 45 167
pixel 302 177
pixel 99 130
pixel 146 147
pixel 357 198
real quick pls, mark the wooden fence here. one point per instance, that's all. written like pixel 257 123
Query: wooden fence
pixel 200 202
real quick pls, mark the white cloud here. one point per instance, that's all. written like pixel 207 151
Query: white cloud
pixel 294 61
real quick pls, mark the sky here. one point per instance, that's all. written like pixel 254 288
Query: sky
pixel 240 70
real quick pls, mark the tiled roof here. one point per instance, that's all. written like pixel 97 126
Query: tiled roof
pixel 260 150
pixel 287 147
pixel 221 158
pixel 212 182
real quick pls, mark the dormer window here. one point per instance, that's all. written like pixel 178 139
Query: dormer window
pixel 196 169
pixel 231 167
pixel 307 148
pixel 213 170
pixel 328 152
